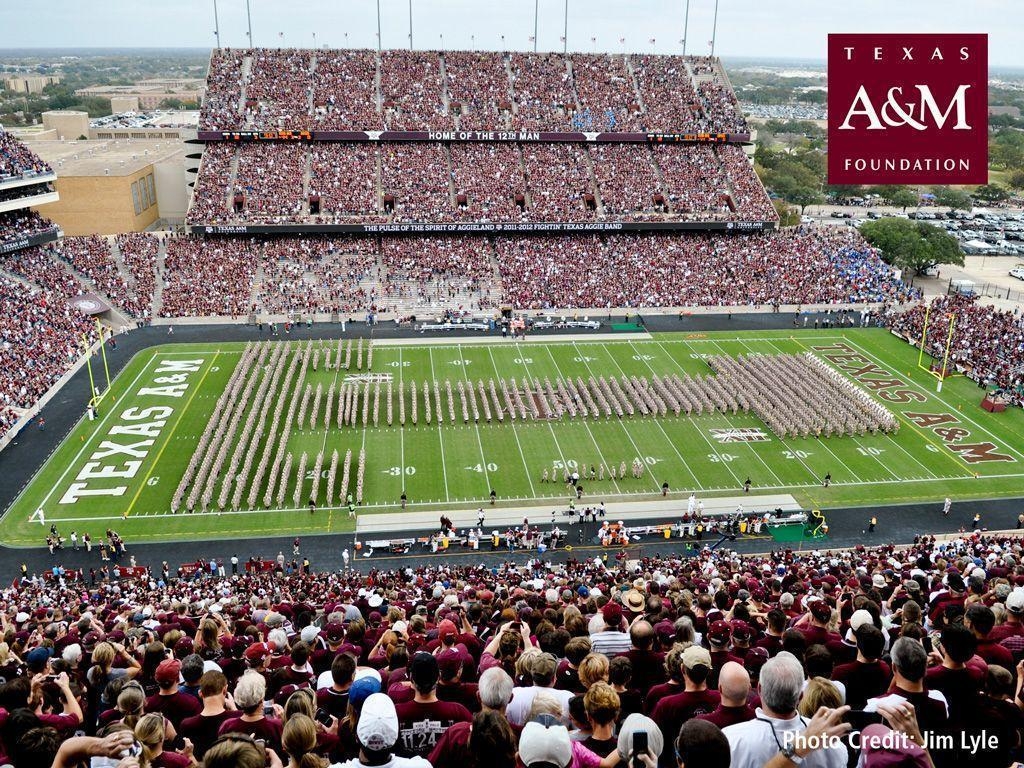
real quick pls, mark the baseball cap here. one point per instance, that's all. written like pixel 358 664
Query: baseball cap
pixel 378 723
pixel 168 671
pixel 719 632
pixel 821 610
pixel 1015 602
pixel 309 634
pixel 695 655
pixel 741 630
pixel 37 658
pixel 878 581
pixel 637 723
pixel 544 744
pixel 446 629
pixel 257 652
pixel 859 618
pixel 335 631
pixel 424 671
pixel 612 614
pixel 361 689
pixel 884 749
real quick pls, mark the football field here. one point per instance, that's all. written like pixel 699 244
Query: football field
pixel 277 436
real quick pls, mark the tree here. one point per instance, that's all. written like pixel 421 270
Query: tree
pixel 990 193
pixel 912 246
pixel 1016 179
pixel 844 191
pixel 902 197
pixel 953 198
pixel 788 216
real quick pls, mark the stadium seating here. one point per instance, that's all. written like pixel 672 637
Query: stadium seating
pixel 987 344
pixel 18 161
pixel 15 225
pixel 264 183
pixel 429 90
pixel 691 650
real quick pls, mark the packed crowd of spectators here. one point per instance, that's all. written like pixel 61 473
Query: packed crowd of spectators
pixel 41 266
pixel 31 190
pixel 271 179
pixel 17 160
pixel 345 91
pixel 91 256
pixel 223 91
pixel 988 343
pixel 41 338
pixel 208 277
pixel 439 270
pixel 821 265
pixel 139 251
pixel 471 90
pixel 716 657
pixel 607 99
pixel 412 91
pixel 345 179
pixel 478 83
pixel 16 225
pixel 316 275
pixel 279 88
pixel 426 181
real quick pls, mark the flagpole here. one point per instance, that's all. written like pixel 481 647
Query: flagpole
pixel 686 25
pixel 248 15
pixel 216 23
pixel 565 36
pixel 714 29
pixel 378 26
pixel 410 25
pixel 536 10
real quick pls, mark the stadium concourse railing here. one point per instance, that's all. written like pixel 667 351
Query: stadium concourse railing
pixel 594 313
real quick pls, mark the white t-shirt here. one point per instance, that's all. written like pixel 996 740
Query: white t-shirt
pixel 394 762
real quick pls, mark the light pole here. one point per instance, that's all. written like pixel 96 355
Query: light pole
pixel 714 29
pixel 565 35
pixel 248 15
pixel 686 25
pixel 216 23
pixel 410 25
pixel 536 10
pixel 378 26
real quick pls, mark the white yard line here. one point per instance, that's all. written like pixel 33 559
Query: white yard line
pixel 558 447
pixel 696 428
pixel 440 438
pixel 584 421
pixel 476 426
pixel 515 432
pixel 959 414
pixel 401 428
pixel 639 453
pixel 887 435
pixel 86 445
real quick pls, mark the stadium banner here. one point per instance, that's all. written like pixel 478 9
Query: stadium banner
pixel 27 242
pixel 517 228
pixel 660 137
pixel 89 304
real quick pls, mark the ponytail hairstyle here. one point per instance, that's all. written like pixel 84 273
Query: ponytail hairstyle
pixel 299 740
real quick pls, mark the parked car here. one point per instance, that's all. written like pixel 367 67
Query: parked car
pixel 1018 272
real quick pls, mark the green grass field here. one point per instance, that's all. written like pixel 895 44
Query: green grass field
pixel 122 469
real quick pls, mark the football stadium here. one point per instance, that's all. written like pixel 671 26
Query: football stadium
pixel 482 408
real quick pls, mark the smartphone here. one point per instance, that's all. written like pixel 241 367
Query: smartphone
pixel 639 747
pixel 268 710
pixel 859 719
pixel 324 717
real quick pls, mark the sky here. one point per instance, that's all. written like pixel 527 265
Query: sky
pixel 752 28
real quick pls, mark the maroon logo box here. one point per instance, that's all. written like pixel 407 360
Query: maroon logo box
pixel 908 109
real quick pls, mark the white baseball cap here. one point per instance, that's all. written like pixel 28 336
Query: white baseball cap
pixel 542 744
pixel 378 723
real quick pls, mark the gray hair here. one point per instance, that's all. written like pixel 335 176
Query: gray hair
pixel 909 658
pixel 786 599
pixel 684 629
pixel 72 653
pixel 250 690
pixel 781 683
pixel 495 688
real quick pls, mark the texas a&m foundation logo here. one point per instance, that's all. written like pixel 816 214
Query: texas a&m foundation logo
pixel 907 109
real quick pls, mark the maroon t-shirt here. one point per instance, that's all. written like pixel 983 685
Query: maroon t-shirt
pixel 671 712
pixel 267 728
pixel 202 730
pixel 863 681
pixel 726 716
pixel 421 726
pixel 175 707
pixel 334 702
pixel 462 693
pixel 659 692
